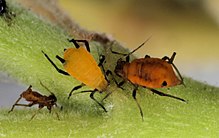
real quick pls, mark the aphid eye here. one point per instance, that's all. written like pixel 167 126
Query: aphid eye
pixel 164 83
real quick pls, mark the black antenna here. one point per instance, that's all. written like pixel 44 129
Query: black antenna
pixel 45 87
pixel 123 54
pixel 139 46
pixel 171 62
pixel 180 76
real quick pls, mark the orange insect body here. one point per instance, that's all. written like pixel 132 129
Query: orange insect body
pixel 80 64
pixel 150 73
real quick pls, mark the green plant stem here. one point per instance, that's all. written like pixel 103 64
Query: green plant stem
pixel 20 57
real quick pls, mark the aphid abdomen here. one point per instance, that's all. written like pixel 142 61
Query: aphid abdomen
pixel 80 64
pixel 31 95
pixel 151 73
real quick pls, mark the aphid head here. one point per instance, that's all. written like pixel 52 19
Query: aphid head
pixel 119 67
pixel 52 98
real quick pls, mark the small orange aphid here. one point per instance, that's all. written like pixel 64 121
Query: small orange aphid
pixel 80 64
pixel 148 72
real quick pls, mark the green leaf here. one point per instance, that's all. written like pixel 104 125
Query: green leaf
pixel 21 43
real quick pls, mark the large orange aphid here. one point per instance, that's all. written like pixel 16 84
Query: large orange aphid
pixel 148 72
pixel 81 65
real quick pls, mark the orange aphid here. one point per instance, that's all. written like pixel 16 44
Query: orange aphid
pixel 149 73
pixel 81 65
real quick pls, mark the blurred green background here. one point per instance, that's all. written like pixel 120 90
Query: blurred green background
pixel 188 27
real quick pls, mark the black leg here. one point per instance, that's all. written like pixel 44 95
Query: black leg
pixel 15 104
pixel 83 41
pixel 170 61
pixel 127 59
pixel 60 59
pixel 56 112
pixel 50 110
pixel 92 97
pixel 167 95
pixel 54 65
pixel 101 61
pixel 108 72
pixel 57 115
pixel 35 113
pixel 139 107
pixel 86 44
pixel 120 84
pixel 108 94
pixel 74 42
pixel 86 91
pixel 172 57
pixel 27 105
pixel 180 76
pixel 75 88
